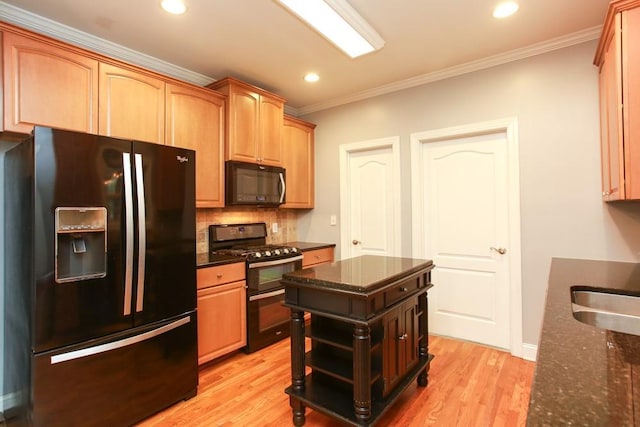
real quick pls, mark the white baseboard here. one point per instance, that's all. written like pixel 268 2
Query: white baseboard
pixel 529 352
pixel 8 401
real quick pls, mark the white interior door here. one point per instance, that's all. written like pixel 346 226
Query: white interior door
pixel 369 198
pixel 464 223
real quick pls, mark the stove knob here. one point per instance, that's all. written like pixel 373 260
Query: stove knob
pixel 294 250
pixel 257 255
pixel 267 253
pixel 277 252
pixel 286 250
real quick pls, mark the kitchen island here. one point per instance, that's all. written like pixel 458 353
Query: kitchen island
pixel 368 331
pixel 585 375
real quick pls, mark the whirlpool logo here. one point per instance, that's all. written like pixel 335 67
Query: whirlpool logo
pixel 182 159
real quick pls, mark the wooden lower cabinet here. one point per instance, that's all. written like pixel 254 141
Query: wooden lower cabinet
pixel 222 326
pixel 316 257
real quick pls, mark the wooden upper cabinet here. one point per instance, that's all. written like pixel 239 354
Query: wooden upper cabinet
pixel 195 120
pixel 48 85
pixel 131 104
pixel 298 161
pixel 618 59
pixel 253 123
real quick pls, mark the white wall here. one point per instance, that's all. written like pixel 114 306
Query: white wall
pixel 555 98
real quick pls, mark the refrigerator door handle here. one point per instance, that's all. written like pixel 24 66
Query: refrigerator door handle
pixel 90 351
pixel 142 232
pixel 128 202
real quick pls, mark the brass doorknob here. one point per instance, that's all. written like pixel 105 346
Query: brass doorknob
pixel 355 242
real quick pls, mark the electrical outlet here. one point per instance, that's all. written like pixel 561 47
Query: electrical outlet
pixel 333 220
pixel 274 227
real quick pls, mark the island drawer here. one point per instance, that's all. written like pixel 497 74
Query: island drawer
pixel 218 275
pixel 400 291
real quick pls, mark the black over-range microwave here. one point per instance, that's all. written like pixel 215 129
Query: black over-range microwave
pixel 254 184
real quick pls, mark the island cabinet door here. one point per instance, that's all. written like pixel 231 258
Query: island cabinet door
pixel 400 343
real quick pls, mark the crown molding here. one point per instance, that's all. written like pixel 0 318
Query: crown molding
pixel 48 27
pixel 42 25
pixel 457 70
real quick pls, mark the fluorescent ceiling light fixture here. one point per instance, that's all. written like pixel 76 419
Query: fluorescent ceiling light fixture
pixel 176 7
pixel 505 9
pixel 337 21
pixel 311 77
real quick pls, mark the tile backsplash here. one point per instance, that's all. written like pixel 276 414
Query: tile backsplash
pixel 285 218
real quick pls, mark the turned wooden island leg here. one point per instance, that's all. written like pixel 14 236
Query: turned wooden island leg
pixel 297 365
pixel 423 350
pixel 362 372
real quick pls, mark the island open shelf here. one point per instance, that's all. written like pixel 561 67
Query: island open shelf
pixel 368 331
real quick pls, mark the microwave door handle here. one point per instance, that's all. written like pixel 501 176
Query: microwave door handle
pixel 284 187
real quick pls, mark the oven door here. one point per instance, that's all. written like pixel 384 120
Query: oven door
pixel 264 276
pixel 267 319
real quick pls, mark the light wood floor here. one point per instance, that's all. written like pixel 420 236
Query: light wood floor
pixel 469 385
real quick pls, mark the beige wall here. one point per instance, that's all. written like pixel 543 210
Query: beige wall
pixel 555 99
pixel 285 218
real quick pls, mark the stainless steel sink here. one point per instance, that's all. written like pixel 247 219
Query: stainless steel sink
pixel 616 312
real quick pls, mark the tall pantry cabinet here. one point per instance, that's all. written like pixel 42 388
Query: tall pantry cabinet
pixel 618 60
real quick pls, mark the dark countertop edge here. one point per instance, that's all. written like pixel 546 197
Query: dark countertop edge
pixel 302 278
pixel 310 246
pixel 204 260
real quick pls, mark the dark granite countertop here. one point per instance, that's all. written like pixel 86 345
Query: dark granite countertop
pixel 309 246
pixel 585 375
pixel 207 259
pixel 361 274
pixel 210 260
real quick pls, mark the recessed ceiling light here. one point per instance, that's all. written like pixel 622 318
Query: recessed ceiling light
pixel 505 9
pixel 176 7
pixel 311 77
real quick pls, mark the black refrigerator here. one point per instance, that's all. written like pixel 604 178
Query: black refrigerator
pixel 100 280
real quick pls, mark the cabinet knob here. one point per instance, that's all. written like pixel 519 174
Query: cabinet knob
pixel 219 276
pixel 501 251
pixel 355 242
pixel 403 289
pixel 403 337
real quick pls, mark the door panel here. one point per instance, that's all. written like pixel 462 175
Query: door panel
pixel 466 214
pixel 77 170
pixel 370 196
pixel 168 285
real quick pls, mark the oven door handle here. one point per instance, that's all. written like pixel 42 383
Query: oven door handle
pixel 266 295
pixel 275 262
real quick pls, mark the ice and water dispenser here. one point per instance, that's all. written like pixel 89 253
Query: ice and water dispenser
pixel 81 243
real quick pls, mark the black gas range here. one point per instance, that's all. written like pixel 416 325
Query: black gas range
pixel 267 318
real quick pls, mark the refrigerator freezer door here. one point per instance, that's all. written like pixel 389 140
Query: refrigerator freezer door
pixel 77 170
pixel 119 380
pixel 165 270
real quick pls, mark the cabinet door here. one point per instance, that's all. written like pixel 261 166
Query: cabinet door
pixel 400 343
pixel 611 122
pixel 195 120
pixel 298 160
pixel 221 320
pixel 243 125
pixel 131 104
pixel 47 85
pixel 271 117
pixel 631 97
